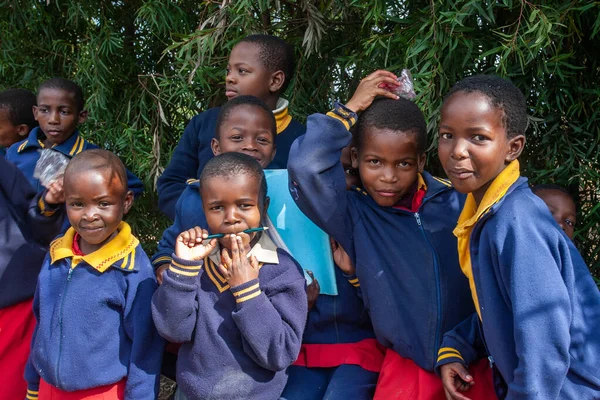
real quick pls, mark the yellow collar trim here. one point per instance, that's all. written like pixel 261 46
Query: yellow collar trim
pixel 121 247
pixel 282 116
pixel 421 182
pixel 471 213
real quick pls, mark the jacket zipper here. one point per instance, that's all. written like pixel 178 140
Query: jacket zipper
pixel 60 317
pixel 438 290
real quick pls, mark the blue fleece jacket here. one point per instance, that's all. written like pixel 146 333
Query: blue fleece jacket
pixel 25 155
pixel 406 262
pixel 27 225
pixel 539 306
pixel 339 319
pixel 193 152
pixel 94 322
pixel 236 341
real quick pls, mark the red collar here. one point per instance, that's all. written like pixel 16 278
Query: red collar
pixel 76 249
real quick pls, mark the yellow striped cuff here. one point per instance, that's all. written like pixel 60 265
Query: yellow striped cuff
pixel 186 267
pixel 448 352
pixel 32 394
pixel 450 355
pixel 348 122
pixel 44 210
pixel 244 291
pixel 248 297
pixel 182 272
pixel 161 260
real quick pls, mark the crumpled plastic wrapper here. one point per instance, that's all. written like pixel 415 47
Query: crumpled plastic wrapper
pixel 406 88
pixel 50 166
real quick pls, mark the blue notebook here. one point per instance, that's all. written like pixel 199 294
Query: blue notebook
pixel 307 243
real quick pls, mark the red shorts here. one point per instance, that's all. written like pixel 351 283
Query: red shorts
pixel 16 328
pixel 367 354
pixel 400 378
pixel 116 391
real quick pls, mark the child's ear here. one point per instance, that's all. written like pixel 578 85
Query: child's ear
pixel 82 117
pixel 421 158
pixel 277 81
pixel 23 130
pixel 128 202
pixel 215 146
pixel 515 148
pixel 35 112
pixel 354 157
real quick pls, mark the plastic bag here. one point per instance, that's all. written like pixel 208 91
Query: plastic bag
pixel 50 166
pixel 406 88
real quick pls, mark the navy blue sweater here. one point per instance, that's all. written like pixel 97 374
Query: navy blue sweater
pixel 25 155
pixel 539 306
pixel 193 152
pixel 27 225
pixel 407 263
pixel 339 319
pixel 94 322
pixel 236 342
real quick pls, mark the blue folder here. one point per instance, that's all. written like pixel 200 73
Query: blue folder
pixel 308 244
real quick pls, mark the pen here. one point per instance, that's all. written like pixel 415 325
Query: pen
pixel 251 230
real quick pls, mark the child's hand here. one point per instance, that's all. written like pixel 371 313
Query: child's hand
pixel 190 244
pixel 341 258
pixel 379 83
pixel 160 271
pixel 55 193
pixel 455 378
pixel 238 269
pixel 312 291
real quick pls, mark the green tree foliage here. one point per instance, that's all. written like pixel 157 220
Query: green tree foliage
pixel 148 66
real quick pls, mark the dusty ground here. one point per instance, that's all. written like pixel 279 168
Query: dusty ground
pixel 167 388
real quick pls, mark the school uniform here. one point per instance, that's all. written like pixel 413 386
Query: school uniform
pixel 193 152
pixel 538 308
pixel 236 341
pixel 406 259
pixel 94 324
pixel 340 357
pixel 188 214
pixel 28 224
pixel 25 154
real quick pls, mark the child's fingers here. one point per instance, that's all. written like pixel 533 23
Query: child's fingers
pixel 184 237
pixel 254 262
pixel 386 93
pixel 235 249
pixel 380 73
pixel 198 234
pixel 223 270
pixel 226 259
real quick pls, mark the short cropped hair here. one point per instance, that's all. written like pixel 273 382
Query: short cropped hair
pixel 400 115
pixel 19 104
pixel 551 186
pixel 68 86
pixel 503 95
pixel 276 54
pixel 239 101
pixel 98 159
pixel 229 165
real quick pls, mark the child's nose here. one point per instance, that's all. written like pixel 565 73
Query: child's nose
pixel 459 150
pixel 388 175
pixel 231 217
pixel 54 117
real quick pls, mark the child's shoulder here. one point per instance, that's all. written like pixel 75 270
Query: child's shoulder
pixel 286 267
pixel 210 114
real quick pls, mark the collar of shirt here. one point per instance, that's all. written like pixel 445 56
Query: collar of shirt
pixel 119 252
pixel 72 146
pixel 282 116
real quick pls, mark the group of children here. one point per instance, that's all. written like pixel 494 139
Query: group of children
pixel 465 288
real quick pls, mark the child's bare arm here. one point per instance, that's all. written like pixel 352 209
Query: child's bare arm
pixel 375 84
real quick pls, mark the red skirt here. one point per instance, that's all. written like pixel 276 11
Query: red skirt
pixel 16 328
pixel 367 354
pixel 401 379
pixel 116 391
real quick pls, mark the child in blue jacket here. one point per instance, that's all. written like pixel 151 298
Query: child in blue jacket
pixel 260 66
pixel 60 108
pixel 16 116
pixel 397 228
pixel 28 222
pixel 94 333
pixel 538 308
pixel 561 204
pixel 237 304
pixel 339 358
